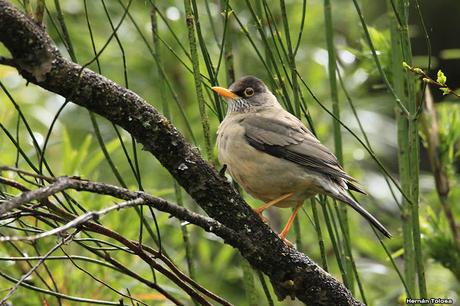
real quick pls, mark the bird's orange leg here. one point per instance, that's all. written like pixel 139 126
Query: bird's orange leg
pixel 285 231
pixel 261 209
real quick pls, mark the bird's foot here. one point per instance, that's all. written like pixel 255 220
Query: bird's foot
pixel 286 242
pixel 264 219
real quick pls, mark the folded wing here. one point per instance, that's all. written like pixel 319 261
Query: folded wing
pixel 291 140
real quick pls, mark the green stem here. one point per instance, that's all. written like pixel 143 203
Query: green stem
pixel 298 234
pixel 190 21
pixel 166 111
pixel 409 158
pixel 227 46
pixel 249 286
pixel 265 288
pixel 65 32
pixel 291 56
pixel 270 56
pixel 335 243
pixel 377 61
pixel 332 67
pixel 319 234
pixel 207 58
pixel 185 235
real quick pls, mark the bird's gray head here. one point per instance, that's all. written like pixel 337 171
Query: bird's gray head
pixel 248 94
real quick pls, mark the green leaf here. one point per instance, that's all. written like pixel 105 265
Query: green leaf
pixel 442 79
pixel 445 90
pixel 97 157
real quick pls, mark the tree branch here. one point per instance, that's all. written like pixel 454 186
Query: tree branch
pixel 38 60
pixel 133 198
pixel 84 221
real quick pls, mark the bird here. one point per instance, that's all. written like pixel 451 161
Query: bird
pixel 275 158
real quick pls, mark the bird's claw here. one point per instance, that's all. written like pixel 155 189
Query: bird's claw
pixel 264 219
pixel 286 242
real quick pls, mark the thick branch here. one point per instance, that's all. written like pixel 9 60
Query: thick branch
pixel 38 60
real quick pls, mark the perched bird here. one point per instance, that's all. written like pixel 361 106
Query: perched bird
pixel 274 157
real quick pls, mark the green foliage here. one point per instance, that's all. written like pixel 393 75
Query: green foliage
pixel 159 68
pixel 441 78
pixel 449 134
pixel 445 90
pixel 382 44
pixel 440 244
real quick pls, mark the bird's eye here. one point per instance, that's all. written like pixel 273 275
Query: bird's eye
pixel 248 92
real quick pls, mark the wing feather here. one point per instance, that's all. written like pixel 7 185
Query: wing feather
pixel 291 140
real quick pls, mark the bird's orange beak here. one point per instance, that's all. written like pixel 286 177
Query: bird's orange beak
pixel 224 92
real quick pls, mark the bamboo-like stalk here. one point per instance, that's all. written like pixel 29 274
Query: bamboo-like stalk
pixel 265 288
pixel 270 56
pixel 190 21
pixel 264 24
pixel 332 230
pixel 210 67
pixel 296 93
pixel 333 79
pixel 249 286
pixel 185 235
pixel 387 180
pixel 248 273
pixel 163 74
pixel 408 245
pixel 65 32
pixel 291 55
pixel 166 111
pixel 332 67
pixel 319 234
pixel 228 56
pixel 134 166
pixel 408 153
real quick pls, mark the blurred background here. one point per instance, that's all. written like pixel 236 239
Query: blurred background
pixel 150 54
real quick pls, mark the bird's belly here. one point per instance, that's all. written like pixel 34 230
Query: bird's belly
pixel 266 177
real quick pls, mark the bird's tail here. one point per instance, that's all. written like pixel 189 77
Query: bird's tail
pixel 376 223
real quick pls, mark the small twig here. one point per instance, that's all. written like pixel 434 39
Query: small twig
pixel 14 184
pixel 185 277
pixel 440 82
pixel 63 183
pixel 93 215
pixel 58 294
pixel 27 173
pixel 58 257
pixel 25 276
pixel 100 281
pixel 133 247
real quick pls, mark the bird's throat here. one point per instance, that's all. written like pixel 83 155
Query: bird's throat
pixel 239 106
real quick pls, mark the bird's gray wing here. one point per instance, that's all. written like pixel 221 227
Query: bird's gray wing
pixel 291 140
